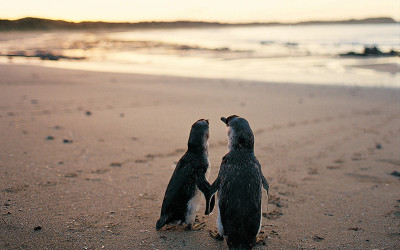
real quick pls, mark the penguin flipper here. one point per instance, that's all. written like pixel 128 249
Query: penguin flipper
pixel 265 183
pixel 212 203
pixel 161 222
pixel 204 187
pixel 213 189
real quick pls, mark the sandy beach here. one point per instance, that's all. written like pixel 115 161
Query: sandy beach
pixel 85 158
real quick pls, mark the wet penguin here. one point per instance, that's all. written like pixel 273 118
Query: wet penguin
pixel 239 185
pixel 182 196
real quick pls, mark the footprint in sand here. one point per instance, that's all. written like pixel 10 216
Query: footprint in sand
pixel 71 175
pixel 100 171
pixel 312 171
pixel 332 167
pixel 390 161
pixel 285 181
pixel 357 157
pixel 93 179
pixel 115 164
pixel 141 161
pixel 364 178
pixel 47 184
pixel 16 189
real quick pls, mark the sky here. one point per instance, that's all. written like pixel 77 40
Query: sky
pixel 199 10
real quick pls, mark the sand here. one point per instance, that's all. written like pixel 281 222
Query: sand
pixel 85 158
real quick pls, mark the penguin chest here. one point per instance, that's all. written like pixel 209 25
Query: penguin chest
pixel 192 207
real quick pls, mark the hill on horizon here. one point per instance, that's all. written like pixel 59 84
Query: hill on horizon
pixel 32 23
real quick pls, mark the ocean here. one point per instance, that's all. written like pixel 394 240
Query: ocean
pixel 306 54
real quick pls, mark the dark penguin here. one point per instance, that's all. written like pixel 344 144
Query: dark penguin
pixel 182 196
pixel 239 185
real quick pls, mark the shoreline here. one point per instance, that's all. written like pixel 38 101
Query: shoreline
pixel 86 157
pixel 390 68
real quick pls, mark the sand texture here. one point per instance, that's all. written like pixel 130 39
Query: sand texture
pixel 85 158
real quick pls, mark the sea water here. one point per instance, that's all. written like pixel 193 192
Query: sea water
pixel 307 54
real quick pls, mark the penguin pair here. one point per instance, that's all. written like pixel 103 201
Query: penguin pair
pixel 239 184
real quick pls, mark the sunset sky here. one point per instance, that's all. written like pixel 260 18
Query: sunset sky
pixel 204 10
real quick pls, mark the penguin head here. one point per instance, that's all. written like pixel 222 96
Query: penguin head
pixel 240 135
pixel 199 135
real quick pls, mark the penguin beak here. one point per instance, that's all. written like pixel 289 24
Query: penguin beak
pixel 224 120
pixel 207 121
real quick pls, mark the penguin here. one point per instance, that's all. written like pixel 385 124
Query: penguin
pixel 182 196
pixel 239 185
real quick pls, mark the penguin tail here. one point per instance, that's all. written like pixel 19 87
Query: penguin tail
pixel 161 222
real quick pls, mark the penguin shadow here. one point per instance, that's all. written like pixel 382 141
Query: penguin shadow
pixel 177 236
pixel 337 164
pixel 390 161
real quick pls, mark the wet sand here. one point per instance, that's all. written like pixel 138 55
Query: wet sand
pixel 85 158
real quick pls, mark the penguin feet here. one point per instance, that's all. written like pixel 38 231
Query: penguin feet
pixel 195 227
pixel 261 240
pixel 169 227
pixel 216 235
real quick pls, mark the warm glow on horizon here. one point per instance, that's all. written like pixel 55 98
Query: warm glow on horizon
pixel 206 10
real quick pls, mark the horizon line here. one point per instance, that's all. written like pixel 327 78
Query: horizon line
pixel 210 21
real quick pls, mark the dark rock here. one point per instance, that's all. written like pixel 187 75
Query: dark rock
pixel 88 113
pixel 395 173
pixel 115 164
pixel 38 228
pixel 66 141
pixel 273 215
pixel 318 238
pixel 378 146
pixel 50 138
pixel 372 52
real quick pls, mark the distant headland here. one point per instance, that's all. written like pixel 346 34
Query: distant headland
pixel 32 23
